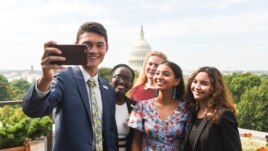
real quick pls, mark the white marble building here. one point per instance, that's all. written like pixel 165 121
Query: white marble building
pixel 138 53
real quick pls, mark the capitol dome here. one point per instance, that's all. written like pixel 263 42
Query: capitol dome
pixel 138 53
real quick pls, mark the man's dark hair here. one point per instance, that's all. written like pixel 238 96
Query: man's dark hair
pixel 92 27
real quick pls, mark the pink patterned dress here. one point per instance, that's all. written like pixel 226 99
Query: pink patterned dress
pixel 160 135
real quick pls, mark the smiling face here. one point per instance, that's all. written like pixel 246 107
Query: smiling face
pixel 201 87
pixel 151 66
pixel 97 48
pixel 122 80
pixel 164 78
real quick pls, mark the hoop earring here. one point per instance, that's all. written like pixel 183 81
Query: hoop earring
pixel 174 93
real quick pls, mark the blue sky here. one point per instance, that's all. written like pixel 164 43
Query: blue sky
pixel 227 34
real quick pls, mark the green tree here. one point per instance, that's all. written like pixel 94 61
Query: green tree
pixel 238 83
pixel 5 89
pixel 19 88
pixel 15 127
pixel 252 109
pixel 105 72
pixel 136 75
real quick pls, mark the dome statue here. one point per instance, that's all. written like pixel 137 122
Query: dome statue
pixel 138 53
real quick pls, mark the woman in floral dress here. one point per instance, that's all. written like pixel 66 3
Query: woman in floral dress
pixel 160 123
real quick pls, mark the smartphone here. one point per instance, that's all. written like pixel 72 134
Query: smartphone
pixel 74 54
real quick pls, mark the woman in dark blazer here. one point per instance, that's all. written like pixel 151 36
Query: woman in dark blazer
pixel 122 77
pixel 214 126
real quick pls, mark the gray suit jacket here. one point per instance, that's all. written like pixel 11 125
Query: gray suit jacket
pixel 69 97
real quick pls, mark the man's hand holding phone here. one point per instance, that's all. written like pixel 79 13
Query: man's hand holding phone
pixel 57 55
pixel 73 54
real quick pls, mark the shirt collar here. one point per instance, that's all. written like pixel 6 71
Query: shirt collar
pixel 87 76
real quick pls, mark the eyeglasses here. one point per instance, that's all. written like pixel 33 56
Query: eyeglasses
pixel 128 80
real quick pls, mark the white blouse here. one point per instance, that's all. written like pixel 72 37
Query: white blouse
pixel 121 121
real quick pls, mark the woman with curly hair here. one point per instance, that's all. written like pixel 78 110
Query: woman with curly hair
pixel 214 125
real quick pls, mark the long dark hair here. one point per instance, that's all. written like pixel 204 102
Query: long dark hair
pixel 180 88
pixel 220 95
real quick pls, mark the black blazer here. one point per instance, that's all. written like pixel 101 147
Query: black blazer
pixel 130 105
pixel 216 137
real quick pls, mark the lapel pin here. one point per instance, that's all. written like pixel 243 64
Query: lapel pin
pixel 105 87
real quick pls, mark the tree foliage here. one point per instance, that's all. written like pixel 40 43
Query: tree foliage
pixel 15 127
pixel 238 83
pixel 5 89
pixel 250 92
pixel 253 107
pixel 105 73
pixel 19 88
pixel 14 90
